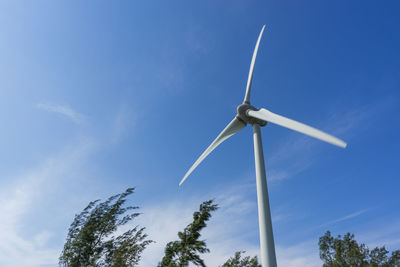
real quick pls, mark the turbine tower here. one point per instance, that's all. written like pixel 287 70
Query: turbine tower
pixel 247 114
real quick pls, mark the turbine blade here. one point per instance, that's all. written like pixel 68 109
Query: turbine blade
pixel 267 115
pixel 253 61
pixel 233 127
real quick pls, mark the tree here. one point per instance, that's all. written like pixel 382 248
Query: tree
pixel 237 261
pixel 91 239
pixel 343 252
pixel 187 249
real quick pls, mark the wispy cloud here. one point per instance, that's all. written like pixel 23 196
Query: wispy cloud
pixel 382 233
pixel 197 39
pixel 299 152
pixel 76 117
pixel 344 218
pixel 122 123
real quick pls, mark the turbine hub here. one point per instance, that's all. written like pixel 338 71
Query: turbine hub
pixel 242 115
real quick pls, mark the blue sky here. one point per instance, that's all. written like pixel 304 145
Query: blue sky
pixel 98 96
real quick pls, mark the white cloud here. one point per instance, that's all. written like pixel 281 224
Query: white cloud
pixel 42 238
pixel 37 203
pixel 76 117
pixel 162 224
pixel 304 254
pixel 25 195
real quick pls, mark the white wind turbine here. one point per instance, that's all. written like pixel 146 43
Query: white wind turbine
pixel 246 113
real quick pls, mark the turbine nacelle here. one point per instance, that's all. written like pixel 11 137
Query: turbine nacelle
pixel 243 116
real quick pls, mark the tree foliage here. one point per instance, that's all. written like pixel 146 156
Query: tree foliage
pixel 238 261
pixel 346 252
pixel 91 239
pixel 188 248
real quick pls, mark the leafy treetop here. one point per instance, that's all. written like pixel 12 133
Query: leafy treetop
pixel 91 239
pixel 181 252
pixel 346 252
pixel 238 261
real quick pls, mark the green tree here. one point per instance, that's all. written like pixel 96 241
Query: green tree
pixel 188 248
pixel 91 239
pixel 346 252
pixel 238 261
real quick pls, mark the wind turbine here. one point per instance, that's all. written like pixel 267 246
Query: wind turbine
pixel 247 114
